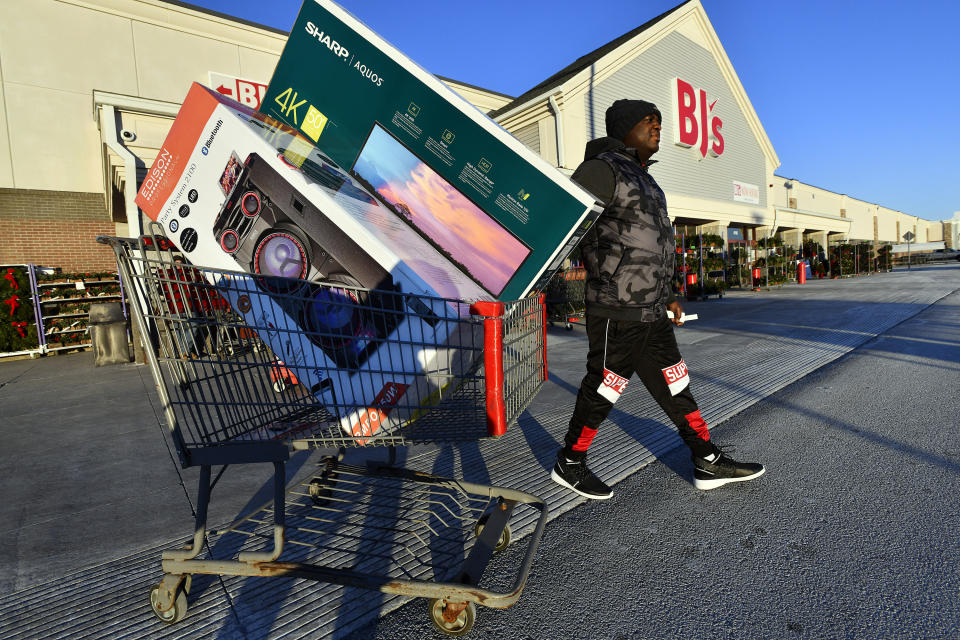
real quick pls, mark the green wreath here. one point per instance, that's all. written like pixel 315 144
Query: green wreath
pixel 18 331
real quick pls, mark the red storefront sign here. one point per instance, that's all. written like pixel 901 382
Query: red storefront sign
pixel 694 124
pixel 247 92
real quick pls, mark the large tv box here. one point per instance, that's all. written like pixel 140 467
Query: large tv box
pixel 441 163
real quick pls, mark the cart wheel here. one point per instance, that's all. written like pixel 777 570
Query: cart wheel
pixel 318 492
pixel 174 614
pixel 569 326
pixel 230 351
pixel 280 385
pixel 504 540
pixel 321 488
pixel 458 627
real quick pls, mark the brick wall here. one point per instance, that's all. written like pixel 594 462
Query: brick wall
pixel 55 229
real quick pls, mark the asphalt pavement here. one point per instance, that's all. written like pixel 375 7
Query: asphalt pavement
pixel 844 389
pixel 851 533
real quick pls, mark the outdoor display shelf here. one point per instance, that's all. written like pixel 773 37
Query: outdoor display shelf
pixel 18 311
pixel 63 303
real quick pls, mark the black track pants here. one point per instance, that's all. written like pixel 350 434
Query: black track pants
pixel 617 350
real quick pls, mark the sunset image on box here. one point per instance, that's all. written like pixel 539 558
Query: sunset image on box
pixel 459 229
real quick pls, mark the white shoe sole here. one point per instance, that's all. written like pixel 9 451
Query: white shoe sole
pixel 706 485
pixel 563 483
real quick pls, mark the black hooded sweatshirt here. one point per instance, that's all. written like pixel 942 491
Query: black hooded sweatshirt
pixel 629 253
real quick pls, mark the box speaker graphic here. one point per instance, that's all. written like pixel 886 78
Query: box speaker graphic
pixel 274 232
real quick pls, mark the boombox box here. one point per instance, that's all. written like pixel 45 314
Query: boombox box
pixel 274 231
pixel 237 191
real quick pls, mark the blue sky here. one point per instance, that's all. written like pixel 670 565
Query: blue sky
pixel 861 98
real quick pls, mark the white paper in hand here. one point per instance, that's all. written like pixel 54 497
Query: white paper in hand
pixel 683 317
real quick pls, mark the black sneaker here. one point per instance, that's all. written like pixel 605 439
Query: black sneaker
pixel 575 475
pixel 717 469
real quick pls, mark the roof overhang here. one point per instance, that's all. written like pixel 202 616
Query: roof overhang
pixel 811 221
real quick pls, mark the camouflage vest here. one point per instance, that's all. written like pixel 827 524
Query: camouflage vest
pixel 629 257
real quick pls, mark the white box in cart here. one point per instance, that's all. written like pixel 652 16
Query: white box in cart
pixel 236 190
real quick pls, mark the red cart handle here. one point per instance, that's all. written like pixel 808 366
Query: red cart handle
pixel 492 313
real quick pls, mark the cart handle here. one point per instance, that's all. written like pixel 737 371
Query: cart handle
pixel 493 312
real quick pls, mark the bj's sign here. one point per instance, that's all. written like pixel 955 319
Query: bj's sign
pixel 694 124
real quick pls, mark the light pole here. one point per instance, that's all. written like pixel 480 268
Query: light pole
pixel 700 240
pixel 829 259
pixel 766 260
pixel 683 261
pixel 840 256
pixel 787 186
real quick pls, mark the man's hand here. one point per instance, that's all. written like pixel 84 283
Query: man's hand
pixel 677 313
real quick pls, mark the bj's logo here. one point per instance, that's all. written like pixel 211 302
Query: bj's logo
pixel 693 125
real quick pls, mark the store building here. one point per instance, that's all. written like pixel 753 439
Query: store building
pixel 90 88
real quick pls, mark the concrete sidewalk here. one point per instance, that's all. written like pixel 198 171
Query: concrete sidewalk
pixel 92 493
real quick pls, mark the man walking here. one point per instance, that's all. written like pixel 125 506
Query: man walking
pixel 629 259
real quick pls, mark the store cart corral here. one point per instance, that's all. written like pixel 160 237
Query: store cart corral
pixel 217 353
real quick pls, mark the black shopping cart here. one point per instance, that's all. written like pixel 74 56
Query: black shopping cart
pixel 309 365
pixel 564 297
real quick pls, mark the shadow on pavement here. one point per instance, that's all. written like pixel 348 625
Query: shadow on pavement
pixel 648 432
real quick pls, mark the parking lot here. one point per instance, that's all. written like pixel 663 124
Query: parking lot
pixel 844 388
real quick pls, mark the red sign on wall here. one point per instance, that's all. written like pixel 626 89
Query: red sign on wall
pixel 249 93
pixel 694 124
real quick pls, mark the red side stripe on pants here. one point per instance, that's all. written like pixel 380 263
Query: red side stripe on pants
pixel 586 437
pixel 697 424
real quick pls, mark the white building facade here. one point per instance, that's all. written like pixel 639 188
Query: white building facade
pixel 91 87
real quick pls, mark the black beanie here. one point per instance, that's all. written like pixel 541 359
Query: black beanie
pixel 623 115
